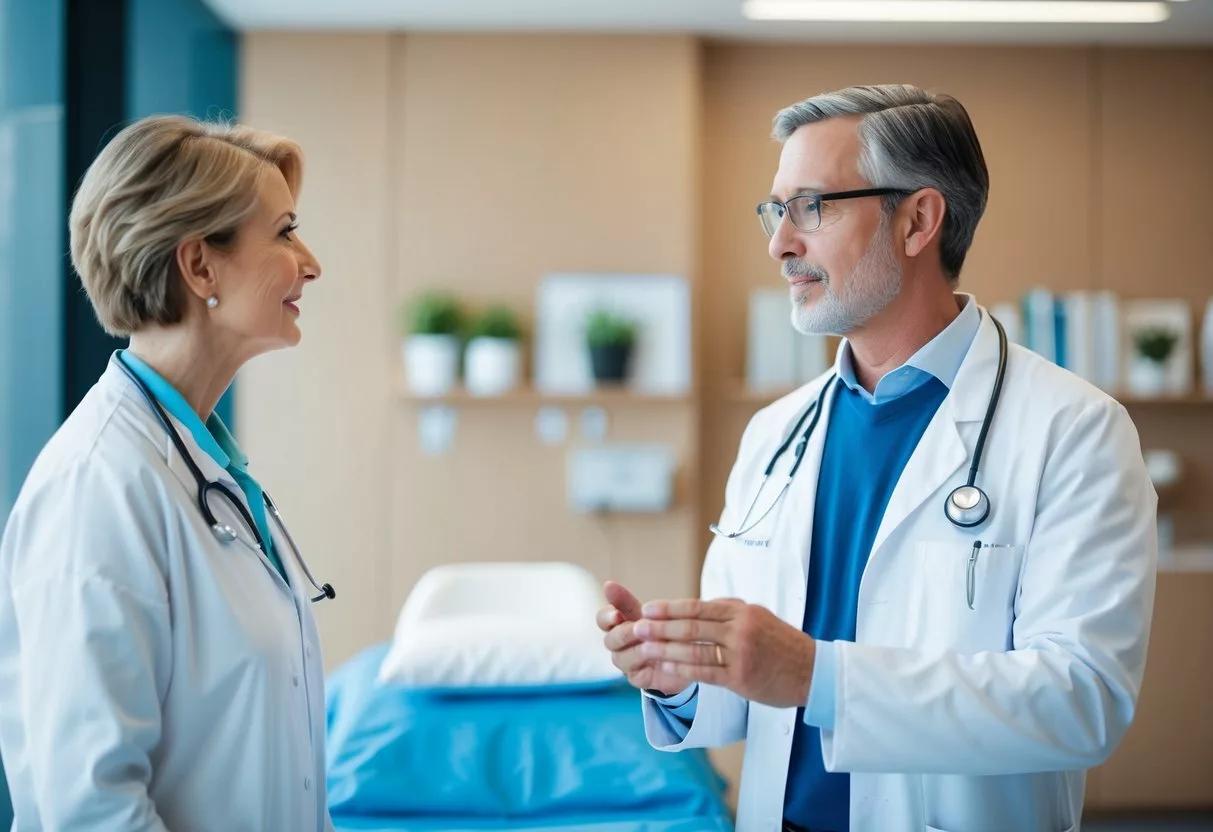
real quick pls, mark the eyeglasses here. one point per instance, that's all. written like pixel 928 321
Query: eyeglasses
pixel 805 210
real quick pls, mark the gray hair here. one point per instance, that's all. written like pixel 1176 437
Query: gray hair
pixel 911 139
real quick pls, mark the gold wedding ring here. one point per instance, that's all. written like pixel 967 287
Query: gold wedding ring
pixel 719 656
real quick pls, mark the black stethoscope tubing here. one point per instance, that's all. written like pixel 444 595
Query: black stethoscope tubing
pixel 222 531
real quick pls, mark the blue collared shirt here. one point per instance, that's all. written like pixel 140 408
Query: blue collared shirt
pixel 214 438
pixel 940 358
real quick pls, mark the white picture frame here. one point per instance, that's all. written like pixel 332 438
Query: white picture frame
pixel 1173 314
pixel 660 304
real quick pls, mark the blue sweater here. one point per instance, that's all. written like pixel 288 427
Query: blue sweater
pixel 865 451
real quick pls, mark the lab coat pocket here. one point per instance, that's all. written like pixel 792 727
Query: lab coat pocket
pixel 745 566
pixel 751 570
pixel 964 595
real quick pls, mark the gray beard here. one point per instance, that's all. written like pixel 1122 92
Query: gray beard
pixel 873 284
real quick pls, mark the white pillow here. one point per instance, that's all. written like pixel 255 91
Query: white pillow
pixel 492 625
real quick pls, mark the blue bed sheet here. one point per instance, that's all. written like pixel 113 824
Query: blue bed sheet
pixel 635 823
pixel 407 761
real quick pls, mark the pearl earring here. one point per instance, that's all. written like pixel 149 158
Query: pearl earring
pixel 212 301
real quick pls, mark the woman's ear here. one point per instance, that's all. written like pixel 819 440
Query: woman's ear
pixel 195 262
pixel 925 211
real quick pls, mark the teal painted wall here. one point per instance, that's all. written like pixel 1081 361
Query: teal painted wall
pixel 181 59
pixel 33 233
pixel 32 243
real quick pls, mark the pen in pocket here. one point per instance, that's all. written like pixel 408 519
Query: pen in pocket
pixel 971 583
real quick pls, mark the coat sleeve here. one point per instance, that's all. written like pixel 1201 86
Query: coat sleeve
pixel 720 715
pixel 1063 697
pixel 93 633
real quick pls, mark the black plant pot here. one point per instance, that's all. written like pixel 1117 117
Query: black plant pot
pixel 610 362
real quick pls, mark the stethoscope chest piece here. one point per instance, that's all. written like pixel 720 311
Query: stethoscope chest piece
pixel 967 506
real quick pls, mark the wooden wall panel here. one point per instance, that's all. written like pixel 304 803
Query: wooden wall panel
pixel 1166 759
pixel 518 157
pixel 1156 173
pixel 314 419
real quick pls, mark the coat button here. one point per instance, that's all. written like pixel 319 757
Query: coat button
pixel 307 651
pixel 295 680
pixel 787 729
pixel 307 784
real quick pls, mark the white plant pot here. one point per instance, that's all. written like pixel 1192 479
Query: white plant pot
pixel 492 366
pixel 1146 377
pixel 431 364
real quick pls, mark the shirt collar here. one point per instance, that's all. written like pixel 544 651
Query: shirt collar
pixel 939 358
pixel 213 437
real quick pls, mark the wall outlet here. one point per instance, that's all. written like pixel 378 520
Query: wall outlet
pixel 621 477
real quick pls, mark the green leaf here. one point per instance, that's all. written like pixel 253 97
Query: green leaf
pixel 432 313
pixel 605 328
pixel 1155 343
pixel 496 322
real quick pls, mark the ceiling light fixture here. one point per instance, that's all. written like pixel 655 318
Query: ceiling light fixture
pixel 958 11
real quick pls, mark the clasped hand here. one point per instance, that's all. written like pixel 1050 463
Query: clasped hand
pixel 666 645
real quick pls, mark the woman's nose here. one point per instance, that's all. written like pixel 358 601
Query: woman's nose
pixel 309 267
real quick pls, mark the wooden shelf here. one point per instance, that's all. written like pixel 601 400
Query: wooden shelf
pixel 529 397
pixel 740 394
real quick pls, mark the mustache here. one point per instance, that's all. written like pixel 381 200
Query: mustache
pixel 799 268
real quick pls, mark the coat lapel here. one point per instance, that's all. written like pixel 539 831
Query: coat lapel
pixel 941 451
pixel 143 414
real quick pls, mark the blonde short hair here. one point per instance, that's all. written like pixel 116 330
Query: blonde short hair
pixel 160 181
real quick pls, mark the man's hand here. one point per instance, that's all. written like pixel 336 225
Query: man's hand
pixel 729 643
pixel 618 621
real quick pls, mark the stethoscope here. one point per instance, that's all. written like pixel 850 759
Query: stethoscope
pixel 222 531
pixel 965 507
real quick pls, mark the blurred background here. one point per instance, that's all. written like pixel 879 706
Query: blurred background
pixel 547 311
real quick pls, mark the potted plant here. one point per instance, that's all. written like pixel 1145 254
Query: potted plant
pixel 432 322
pixel 610 338
pixel 493 359
pixel 1152 347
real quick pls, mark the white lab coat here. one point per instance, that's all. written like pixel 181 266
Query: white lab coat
pixel 153 678
pixel 948 718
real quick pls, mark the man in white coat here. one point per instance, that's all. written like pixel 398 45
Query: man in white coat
pixel 929 596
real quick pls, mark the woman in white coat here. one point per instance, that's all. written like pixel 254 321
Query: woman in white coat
pixel 158 656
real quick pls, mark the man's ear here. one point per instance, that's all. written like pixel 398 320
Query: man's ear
pixel 195 262
pixel 924 212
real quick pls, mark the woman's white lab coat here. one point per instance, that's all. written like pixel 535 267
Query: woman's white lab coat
pixel 153 678
pixel 950 718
